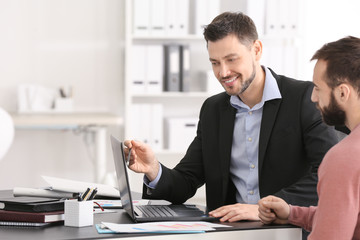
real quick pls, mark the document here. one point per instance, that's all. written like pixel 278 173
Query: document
pixel 66 185
pixel 21 191
pixel 164 227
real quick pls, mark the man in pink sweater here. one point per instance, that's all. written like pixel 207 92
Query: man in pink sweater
pixel 337 94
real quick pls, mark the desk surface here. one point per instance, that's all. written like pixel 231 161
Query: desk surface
pixel 240 230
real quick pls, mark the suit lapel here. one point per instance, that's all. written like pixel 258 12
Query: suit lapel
pixel 226 129
pixel 267 122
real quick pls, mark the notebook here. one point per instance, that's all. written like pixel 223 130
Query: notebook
pixel 150 213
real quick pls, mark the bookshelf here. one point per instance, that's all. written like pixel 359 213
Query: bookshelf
pixel 187 104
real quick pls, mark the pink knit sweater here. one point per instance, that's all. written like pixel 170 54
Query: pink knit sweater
pixel 337 215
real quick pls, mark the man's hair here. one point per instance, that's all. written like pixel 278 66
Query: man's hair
pixel 343 62
pixel 228 23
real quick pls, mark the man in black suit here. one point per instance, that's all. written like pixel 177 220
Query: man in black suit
pixel 262 136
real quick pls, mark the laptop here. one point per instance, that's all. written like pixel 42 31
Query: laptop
pixel 150 213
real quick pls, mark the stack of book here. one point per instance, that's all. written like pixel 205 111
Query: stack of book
pixel 30 211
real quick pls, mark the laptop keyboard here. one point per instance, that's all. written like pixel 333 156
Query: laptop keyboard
pixel 157 211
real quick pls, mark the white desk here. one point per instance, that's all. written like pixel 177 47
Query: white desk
pixel 256 234
pixel 94 123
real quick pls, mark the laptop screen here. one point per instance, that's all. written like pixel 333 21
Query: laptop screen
pixel 122 175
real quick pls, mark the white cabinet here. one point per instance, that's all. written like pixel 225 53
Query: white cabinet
pixel 161 42
pixel 155 38
pixel 176 23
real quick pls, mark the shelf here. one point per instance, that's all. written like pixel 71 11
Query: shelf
pixel 173 95
pixel 64 120
pixel 190 37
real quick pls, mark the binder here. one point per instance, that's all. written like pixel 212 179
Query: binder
pixel 181 132
pixel 172 68
pixel 272 17
pixel 138 65
pixel 293 18
pixel 31 204
pixel 201 16
pixel 284 13
pixel 135 122
pixel 154 69
pixel 37 217
pixel 140 122
pixel 157 17
pixel 170 17
pixel 184 68
pixel 255 9
pixel 205 12
pixel 182 17
pixel 156 139
pixel 141 17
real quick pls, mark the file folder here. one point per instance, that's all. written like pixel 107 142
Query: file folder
pixel 170 17
pixel 141 17
pixel 185 68
pixel 181 132
pixel 156 137
pixel 182 17
pixel 172 68
pixel 157 17
pixel 138 59
pixel 154 69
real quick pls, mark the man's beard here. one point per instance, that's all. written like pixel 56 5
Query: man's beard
pixel 248 81
pixel 333 115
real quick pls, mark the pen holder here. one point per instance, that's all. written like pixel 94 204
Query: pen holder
pixel 79 213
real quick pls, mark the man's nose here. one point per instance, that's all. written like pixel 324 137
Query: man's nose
pixel 224 71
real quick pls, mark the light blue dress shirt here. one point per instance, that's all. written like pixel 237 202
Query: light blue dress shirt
pixel 244 169
pixel 245 148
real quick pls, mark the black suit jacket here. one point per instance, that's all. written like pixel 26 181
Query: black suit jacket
pixel 293 141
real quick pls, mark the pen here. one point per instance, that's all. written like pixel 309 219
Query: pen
pixel 79 197
pixel 85 194
pixel 93 194
pixel 88 195
pixel 128 158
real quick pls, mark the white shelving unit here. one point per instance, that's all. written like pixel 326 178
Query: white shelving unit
pixel 175 104
pixel 178 104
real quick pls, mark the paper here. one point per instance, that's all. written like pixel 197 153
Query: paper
pixel 66 185
pixel 108 203
pixel 163 227
pixel 20 191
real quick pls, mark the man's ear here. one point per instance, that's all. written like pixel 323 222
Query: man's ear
pixel 343 92
pixel 258 49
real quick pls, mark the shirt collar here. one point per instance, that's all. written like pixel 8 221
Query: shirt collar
pixel 271 91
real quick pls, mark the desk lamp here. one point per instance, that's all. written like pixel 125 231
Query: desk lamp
pixel 6 132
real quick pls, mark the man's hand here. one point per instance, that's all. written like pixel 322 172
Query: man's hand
pixel 273 210
pixel 236 212
pixel 142 159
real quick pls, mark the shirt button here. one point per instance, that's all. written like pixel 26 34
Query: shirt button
pixel 252 166
pixel 251 192
pixel 249 139
pixel 250 113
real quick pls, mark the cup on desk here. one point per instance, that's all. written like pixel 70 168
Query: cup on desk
pixel 79 213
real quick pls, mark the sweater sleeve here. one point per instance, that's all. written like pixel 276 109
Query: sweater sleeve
pixel 302 216
pixel 339 189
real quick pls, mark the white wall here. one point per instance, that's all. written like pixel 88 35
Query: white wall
pixel 55 43
pixel 326 21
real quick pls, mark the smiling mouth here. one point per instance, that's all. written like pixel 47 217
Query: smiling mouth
pixel 231 80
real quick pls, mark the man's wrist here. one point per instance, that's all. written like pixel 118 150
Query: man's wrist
pixel 154 173
pixel 153 184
